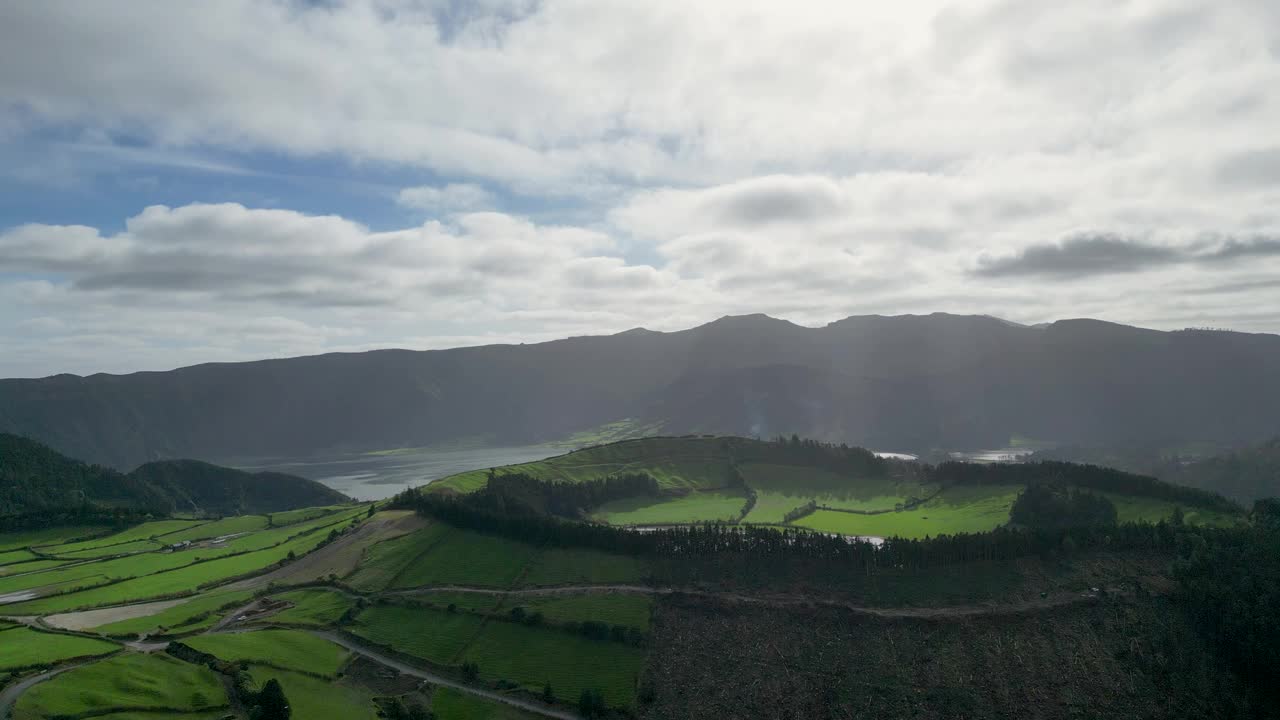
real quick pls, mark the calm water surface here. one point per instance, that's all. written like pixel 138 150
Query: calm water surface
pixel 374 477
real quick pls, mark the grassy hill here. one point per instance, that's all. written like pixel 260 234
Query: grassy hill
pixel 830 488
pixel 34 477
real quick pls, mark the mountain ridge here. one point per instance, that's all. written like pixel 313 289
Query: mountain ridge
pixel 909 383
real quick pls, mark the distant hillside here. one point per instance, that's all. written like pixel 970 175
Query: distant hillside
pixel 1245 474
pixel 804 483
pixel 909 383
pixel 34 477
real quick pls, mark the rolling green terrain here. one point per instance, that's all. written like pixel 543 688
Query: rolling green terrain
pixel 22 647
pixel 673 623
pixel 285 649
pixel 125 682
pixel 698 506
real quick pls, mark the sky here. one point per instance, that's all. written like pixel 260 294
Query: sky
pixel 184 182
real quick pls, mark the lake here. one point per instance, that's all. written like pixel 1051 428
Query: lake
pixel 376 476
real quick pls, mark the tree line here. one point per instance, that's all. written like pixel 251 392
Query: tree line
pixel 523 493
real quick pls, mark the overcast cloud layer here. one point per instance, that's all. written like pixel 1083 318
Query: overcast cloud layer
pixel 520 171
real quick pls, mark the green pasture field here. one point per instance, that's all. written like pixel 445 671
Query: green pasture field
pixel 624 609
pixel 13 556
pixel 1151 510
pixel 288 649
pixel 385 560
pixel 180 580
pixel 772 507
pixel 673 462
pixel 77 575
pixel 47 536
pixel 692 508
pixel 23 647
pixel 464 601
pixel 30 567
pixel 314 699
pixel 92 553
pixel 801 484
pixel 291 517
pixel 463 557
pixel 569 662
pixel 560 566
pixel 433 635
pixel 967 509
pixel 450 704
pixel 145 531
pixel 315 606
pixel 179 618
pixel 123 682
pixel 218 528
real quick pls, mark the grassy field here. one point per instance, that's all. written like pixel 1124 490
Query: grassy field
pixel 23 647
pixel 569 662
pixel 124 682
pixel 288 649
pixel 435 636
pixel 145 531
pixel 143 715
pixel 772 507
pixel 558 566
pixel 614 609
pixel 126 548
pixel 956 510
pixel 314 699
pixel 467 558
pixel 315 606
pixel 464 601
pixel 195 614
pixel 450 704
pixel 291 517
pixel 384 561
pixel 218 528
pixel 692 508
pixel 1142 509
pixel 30 567
pixel 179 580
pixel 13 556
pixel 673 462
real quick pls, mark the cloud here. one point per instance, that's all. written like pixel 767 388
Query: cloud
pixel 1080 255
pixel 449 198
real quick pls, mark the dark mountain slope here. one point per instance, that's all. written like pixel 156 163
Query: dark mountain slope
pixel 894 383
pixel 34 477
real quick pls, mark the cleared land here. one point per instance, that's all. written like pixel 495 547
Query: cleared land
pixel 125 682
pixel 692 508
pixel 288 649
pixel 145 531
pixel 384 561
pixel 22 647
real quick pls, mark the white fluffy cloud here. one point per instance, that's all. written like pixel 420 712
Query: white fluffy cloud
pixel 1022 158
